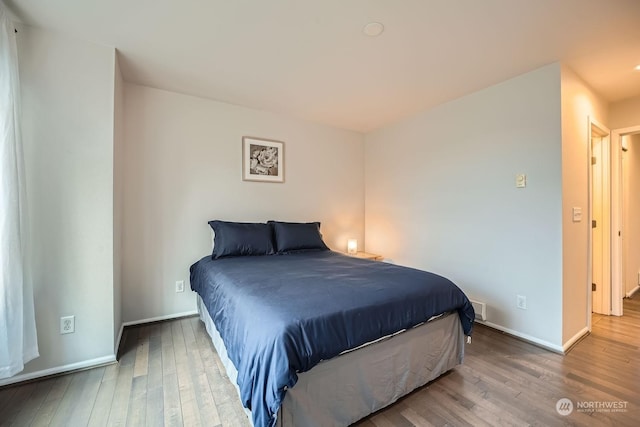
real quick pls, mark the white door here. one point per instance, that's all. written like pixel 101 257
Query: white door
pixel 597 229
pixel 599 299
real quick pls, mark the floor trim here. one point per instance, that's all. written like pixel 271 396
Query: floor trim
pixel 149 320
pixel 160 318
pixel 528 338
pixel 633 291
pixel 91 363
pixel 574 340
pixel 85 364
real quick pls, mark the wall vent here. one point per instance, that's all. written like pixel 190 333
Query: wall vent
pixel 480 308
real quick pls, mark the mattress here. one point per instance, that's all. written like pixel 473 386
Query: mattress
pixel 342 390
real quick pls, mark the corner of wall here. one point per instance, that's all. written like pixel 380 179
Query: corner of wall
pixel 625 113
pixel 579 103
pixel 118 183
pixel 67 88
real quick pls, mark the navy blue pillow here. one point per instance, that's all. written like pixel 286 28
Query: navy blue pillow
pixel 241 238
pixel 297 236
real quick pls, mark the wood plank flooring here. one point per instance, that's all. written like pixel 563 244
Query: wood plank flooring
pixel 169 374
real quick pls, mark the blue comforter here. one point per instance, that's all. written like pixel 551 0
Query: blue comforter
pixel 282 314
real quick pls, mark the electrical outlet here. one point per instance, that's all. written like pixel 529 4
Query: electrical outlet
pixel 521 302
pixel 67 324
pixel 180 286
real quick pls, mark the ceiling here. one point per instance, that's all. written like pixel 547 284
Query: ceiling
pixel 310 59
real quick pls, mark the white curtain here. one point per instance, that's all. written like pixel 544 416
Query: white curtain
pixel 18 340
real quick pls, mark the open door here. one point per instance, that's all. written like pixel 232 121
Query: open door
pixel 600 213
pixel 621 270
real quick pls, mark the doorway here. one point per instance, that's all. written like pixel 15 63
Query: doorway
pixel 600 215
pixel 625 255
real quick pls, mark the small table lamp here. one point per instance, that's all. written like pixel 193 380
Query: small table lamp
pixel 352 246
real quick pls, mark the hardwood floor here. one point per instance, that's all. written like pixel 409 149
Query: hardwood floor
pixel 169 374
pixel 505 381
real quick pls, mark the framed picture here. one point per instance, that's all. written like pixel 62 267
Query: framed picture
pixel 262 160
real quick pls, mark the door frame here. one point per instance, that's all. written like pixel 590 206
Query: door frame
pixel 604 132
pixel 617 291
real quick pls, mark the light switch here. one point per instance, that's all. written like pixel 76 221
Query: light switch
pixel 577 214
pixel 521 180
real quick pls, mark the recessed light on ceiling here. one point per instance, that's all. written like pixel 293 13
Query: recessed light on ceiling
pixel 373 29
pixel 637 68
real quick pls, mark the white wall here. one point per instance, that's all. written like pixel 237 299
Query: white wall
pixel 68 103
pixel 118 194
pixel 440 195
pixel 625 113
pixel 183 168
pixel 579 103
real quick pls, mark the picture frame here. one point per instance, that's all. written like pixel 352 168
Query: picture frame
pixel 262 160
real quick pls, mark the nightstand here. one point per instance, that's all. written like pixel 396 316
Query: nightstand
pixel 366 255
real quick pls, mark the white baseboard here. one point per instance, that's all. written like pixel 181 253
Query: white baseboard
pixel 633 291
pixel 92 363
pixel 159 318
pixel 150 320
pixel 533 340
pixel 60 369
pixel 566 346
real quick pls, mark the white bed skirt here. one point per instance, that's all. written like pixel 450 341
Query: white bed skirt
pixel 347 388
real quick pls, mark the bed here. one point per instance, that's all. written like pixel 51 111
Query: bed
pixel 317 338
